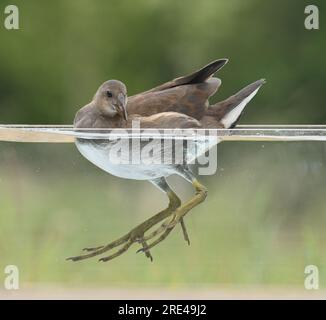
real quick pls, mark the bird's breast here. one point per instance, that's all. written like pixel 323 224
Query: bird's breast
pixel 142 160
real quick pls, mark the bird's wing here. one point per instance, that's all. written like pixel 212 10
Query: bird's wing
pixel 188 94
pixel 81 120
pixel 88 117
pixel 165 120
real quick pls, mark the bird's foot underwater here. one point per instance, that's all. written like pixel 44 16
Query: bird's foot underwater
pixel 136 235
pixel 125 242
pixel 168 225
pixel 178 217
pixel 165 229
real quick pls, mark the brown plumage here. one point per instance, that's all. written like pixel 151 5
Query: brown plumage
pixel 180 103
pixel 188 95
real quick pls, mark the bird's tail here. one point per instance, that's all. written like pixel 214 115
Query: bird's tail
pixel 228 112
pixel 204 73
pixel 198 76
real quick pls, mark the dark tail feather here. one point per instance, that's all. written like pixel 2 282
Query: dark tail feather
pixel 196 77
pixel 204 73
pixel 229 111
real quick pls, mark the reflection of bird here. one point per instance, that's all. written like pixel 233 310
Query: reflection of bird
pixel 180 103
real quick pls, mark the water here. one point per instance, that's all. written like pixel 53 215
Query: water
pixel 262 223
pixel 66 134
pixel 164 143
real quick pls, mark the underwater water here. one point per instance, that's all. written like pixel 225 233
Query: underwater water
pixel 262 223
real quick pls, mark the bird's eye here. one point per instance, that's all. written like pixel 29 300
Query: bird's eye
pixel 109 94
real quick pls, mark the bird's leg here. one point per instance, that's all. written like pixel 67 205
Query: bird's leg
pixel 167 227
pixel 135 235
pixel 175 202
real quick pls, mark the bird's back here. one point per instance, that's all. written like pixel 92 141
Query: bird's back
pixel 188 94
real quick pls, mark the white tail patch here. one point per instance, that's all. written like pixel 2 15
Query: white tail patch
pixel 235 113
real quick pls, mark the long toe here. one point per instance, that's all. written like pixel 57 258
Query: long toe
pixel 146 250
pixel 102 249
pixel 93 249
pixel 118 253
pixel 184 231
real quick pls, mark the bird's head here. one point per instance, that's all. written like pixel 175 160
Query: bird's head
pixel 111 99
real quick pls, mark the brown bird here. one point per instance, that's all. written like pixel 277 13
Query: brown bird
pixel 180 103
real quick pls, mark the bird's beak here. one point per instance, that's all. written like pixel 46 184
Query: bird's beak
pixel 122 104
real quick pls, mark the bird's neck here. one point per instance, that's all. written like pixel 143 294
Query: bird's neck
pixel 113 122
pixel 108 120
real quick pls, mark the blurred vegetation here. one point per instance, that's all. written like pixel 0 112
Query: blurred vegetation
pixel 65 49
pixel 263 221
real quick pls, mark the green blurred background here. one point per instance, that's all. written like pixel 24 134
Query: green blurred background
pixel 263 221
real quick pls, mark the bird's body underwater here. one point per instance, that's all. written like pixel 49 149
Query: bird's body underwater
pixel 178 104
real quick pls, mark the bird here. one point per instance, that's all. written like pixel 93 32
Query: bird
pixel 181 103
